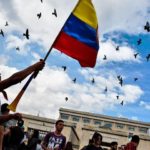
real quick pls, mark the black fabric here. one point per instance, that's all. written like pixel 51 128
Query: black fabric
pixel 92 147
pixel 32 143
pixel 11 142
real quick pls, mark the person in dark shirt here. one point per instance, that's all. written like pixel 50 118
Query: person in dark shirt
pixel 97 141
pixel 69 146
pixel 55 140
pixel 90 143
pixel 113 145
pixel 33 141
pixel 13 140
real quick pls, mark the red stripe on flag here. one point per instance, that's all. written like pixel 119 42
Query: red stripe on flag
pixel 83 53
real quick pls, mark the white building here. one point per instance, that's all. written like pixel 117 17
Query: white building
pixel 80 126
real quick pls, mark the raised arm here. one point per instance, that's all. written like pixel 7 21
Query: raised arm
pixel 21 75
pixel 5 118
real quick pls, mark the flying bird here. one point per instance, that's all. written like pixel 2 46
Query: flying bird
pixel 147 27
pixel 64 67
pixel 122 103
pixel 106 89
pixel 2 33
pixel 120 80
pixel 93 81
pixel 54 13
pixel 119 77
pixel 135 55
pixel 148 57
pixel 26 34
pixel 17 48
pixel 117 48
pixel 105 57
pixel 41 1
pixel 66 98
pixel 6 23
pixel 39 15
pixel 74 80
pixel 117 96
pixel 139 41
pixel 135 79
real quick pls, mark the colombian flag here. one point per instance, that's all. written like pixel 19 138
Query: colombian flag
pixel 78 37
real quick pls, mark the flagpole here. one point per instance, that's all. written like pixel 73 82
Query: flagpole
pixel 13 105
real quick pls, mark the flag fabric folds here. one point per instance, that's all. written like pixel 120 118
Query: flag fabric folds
pixel 78 37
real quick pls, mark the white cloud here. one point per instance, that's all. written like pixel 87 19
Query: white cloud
pixel 36 56
pixel 43 30
pixel 131 93
pixel 13 42
pixel 48 91
pixel 108 48
pixel 3 59
pixel 122 15
pixel 146 105
pixel 135 118
pixel 112 15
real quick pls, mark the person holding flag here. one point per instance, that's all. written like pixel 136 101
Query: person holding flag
pixel 21 75
pixel 12 80
pixel 78 39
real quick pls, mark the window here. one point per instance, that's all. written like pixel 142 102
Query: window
pixel 119 126
pixel 143 130
pixel 108 125
pixel 75 118
pixel 86 120
pixel 131 128
pixel 64 116
pixel 96 122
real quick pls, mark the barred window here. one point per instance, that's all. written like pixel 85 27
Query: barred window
pixel 131 128
pixel 76 118
pixel 97 122
pixel 65 116
pixel 143 130
pixel 86 120
pixel 120 126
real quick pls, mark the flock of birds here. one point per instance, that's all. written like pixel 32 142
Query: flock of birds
pixel 26 34
pixel 139 42
pixel 119 78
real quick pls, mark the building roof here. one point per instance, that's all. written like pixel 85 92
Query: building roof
pixel 38 118
pixel 125 120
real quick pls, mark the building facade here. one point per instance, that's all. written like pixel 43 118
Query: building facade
pixel 111 128
pixel 80 126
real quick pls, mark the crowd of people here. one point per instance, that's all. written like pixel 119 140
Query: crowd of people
pixel 96 143
pixel 13 137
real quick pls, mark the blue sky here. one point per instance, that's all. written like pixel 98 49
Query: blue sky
pixel 117 26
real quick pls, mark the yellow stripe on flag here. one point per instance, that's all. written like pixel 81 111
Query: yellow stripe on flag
pixel 85 11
